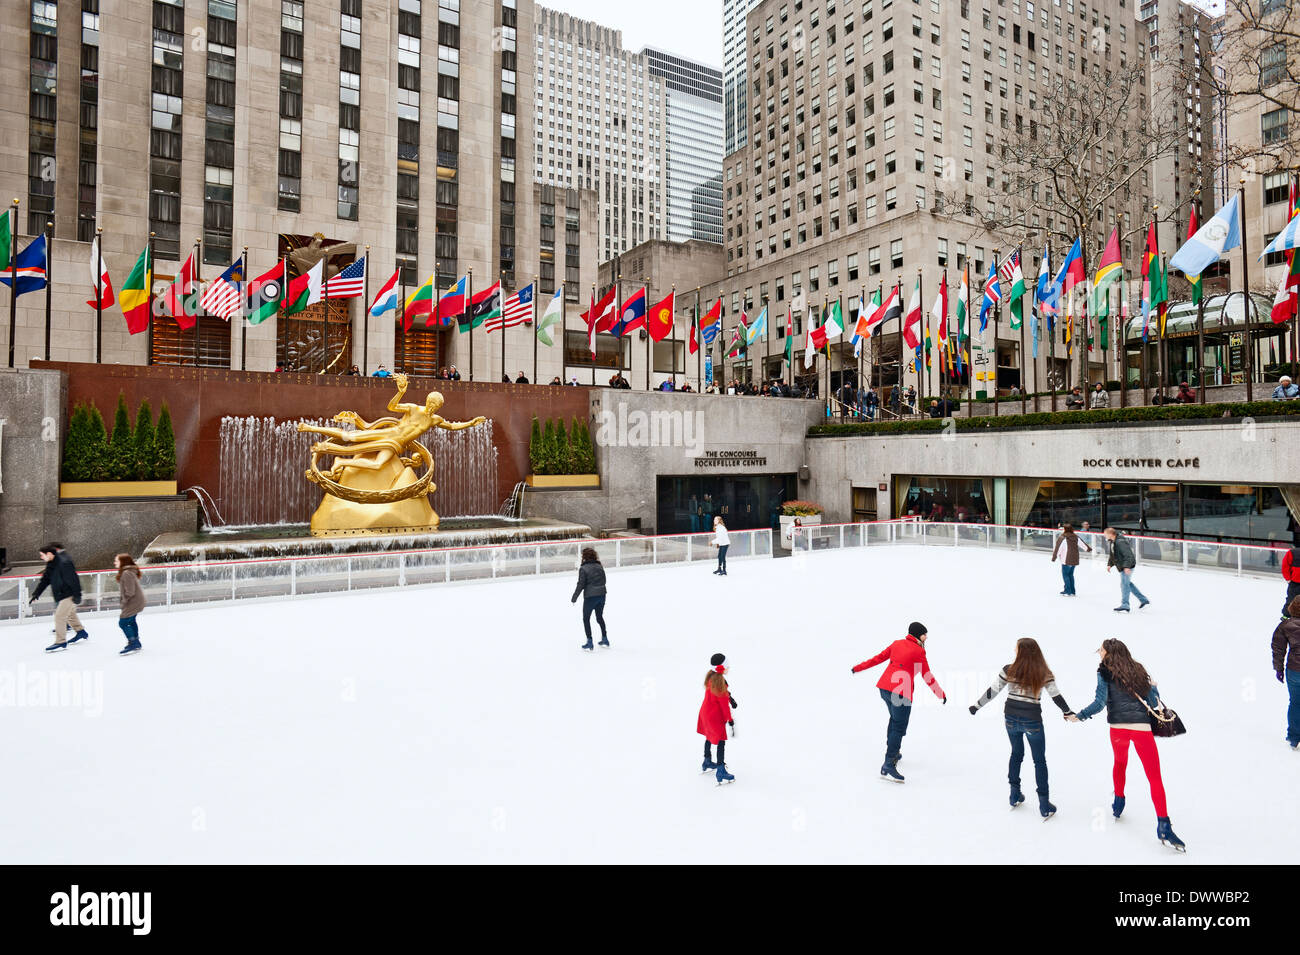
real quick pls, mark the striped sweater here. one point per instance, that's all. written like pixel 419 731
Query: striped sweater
pixel 1020 704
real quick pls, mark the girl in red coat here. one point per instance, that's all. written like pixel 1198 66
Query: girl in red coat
pixel 715 717
pixel 906 662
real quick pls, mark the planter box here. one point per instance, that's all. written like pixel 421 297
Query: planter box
pixel 84 490
pixel 787 525
pixel 562 480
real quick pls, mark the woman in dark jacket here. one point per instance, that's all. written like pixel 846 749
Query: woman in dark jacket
pixel 1026 678
pixel 1286 664
pixel 591 584
pixel 1128 695
pixel 1071 540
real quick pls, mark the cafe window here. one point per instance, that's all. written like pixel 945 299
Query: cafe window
pixel 611 352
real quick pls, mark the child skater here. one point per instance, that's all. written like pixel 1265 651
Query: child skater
pixel 130 600
pixel 1025 679
pixel 715 717
pixel 906 662
pixel 1128 694
pixel 721 540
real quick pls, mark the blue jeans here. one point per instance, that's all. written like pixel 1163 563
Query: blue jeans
pixel 1293 711
pixel 1019 730
pixel 1126 587
pixel 130 628
pixel 900 711
pixel 598 605
pixel 722 557
pixel 1067 575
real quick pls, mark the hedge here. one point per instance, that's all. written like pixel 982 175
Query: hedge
pixel 143 452
pixel 1242 409
pixel 553 450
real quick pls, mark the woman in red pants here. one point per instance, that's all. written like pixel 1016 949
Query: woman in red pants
pixel 714 718
pixel 1128 694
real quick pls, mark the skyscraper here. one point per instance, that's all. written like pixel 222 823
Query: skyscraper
pixel 733 71
pixel 693 125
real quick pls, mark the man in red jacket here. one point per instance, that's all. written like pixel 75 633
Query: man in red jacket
pixel 906 662
pixel 1291 574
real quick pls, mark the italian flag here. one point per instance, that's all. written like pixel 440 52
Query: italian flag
pixel 305 289
pixel 134 294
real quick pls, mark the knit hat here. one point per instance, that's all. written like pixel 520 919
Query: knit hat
pixel 717 659
pixel 916 629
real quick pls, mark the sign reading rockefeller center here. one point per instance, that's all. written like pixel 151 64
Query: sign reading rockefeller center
pixel 730 459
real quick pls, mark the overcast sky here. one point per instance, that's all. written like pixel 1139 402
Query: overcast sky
pixel 690 28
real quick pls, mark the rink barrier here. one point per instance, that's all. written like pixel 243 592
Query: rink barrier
pixel 1241 560
pixel 179 585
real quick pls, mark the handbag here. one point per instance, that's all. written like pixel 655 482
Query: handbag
pixel 1164 721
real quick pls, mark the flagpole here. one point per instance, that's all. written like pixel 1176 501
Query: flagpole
pixel 997 314
pixel 1245 292
pixel 365 309
pixel 1119 343
pixel 699 346
pixel 826 304
pixel 243 313
pixel 1164 341
pixel 399 356
pixel 49 269
pixel 504 373
pixel 149 296
pixel 469 297
pixel 537 287
pixel 198 279
pixel 99 292
pixel 1024 378
pixel 12 213
pixel 1200 321
pixel 1050 329
pixel 722 352
pixel 920 383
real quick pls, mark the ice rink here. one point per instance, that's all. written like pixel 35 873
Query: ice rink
pixel 461 723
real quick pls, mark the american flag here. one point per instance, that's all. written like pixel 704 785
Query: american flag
pixel 350 282
pixel 221 297
pixel 518 310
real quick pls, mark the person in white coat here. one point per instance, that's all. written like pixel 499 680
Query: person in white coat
pixel 721 541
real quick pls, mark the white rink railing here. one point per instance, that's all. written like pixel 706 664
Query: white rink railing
pixel 179 585
pixel 1237 559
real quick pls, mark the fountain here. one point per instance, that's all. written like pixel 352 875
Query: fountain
pixel 373 499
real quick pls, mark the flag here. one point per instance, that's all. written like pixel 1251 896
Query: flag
pixel 483 306
pixel 1072 270
pixel 307 289
pixel 553 315
pixel 601 314
pixel 862 327
pixel 758 329
pixel 1109 275
pixel 1014 279
pixel 913 317
pixel 7 237
pixel 662 317
pixel 1220 235
pixel 419 304
pixel 831 327
pixel 30 265
pixel 265 294
pixel 589 316
pixel 1283 303
pixel 631 314
pixel 1197 292
pixel 350 282
pixel 940 312
pixel 1285 241
pixel 789 334
pixel 134 294
pixel 693 340
pixel 100 287
pixel 178 299
pixel 711 324
pixel 517 310
pixel 809 346
pixel 992 295
pixel 1033 330
pixel 451 303
pixel 386 300
pixel 868 327
pixel 1047 296
pixel 738 338
pixel 222 297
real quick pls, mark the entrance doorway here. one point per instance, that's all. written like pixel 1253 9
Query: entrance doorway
pixel 689 504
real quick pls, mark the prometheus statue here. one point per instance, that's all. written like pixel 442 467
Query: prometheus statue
pixel 372 485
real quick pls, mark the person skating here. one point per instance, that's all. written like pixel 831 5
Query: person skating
pixel 1291 574
pixel 1128 695
pixel 906 662
pixel 1026 678
pixel 714 718
pixel 721 540
pixel 591 585
pixel 1286 665
pixel 130 600
pixel 1122 556
pixel 1071 559
pixel 60 576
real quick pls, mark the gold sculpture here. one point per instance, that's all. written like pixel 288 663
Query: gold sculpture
pixel 372 485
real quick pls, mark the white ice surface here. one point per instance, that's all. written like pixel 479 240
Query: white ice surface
pixel 461 723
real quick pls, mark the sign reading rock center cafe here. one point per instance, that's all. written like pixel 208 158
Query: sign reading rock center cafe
pixel 1141 462
pixel 731 459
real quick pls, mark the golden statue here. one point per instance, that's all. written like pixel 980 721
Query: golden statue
pixel 373 485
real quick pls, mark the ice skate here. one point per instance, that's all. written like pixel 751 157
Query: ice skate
pixel 1017 797
pixel 79 635
pixel 889 771
pixel 1165 833
pixel 724 776
pixel 56 646
pixel 1117 807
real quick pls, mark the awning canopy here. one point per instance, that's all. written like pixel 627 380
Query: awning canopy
pixel 1222 313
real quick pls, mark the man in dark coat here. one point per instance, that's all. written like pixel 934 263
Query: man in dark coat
pixel 60 576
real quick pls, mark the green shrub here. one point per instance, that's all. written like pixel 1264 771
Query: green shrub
pixel 145 453
pixel 164 445
pixel 121 444
pixel 76 446
pixel 563 452
pixel 548 458
pixel 1253 409
pixel 536 454
pixel 97 454
pixel 584 452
